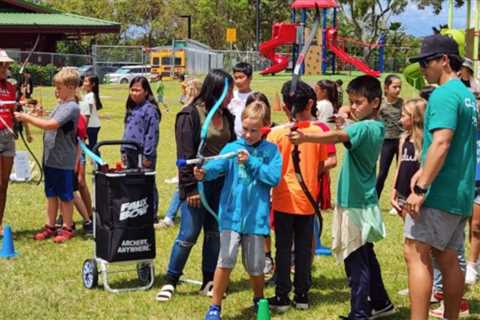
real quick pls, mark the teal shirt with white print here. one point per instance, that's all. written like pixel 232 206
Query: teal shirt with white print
pixel 452 106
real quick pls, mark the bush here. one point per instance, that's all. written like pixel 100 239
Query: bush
pixel 41 75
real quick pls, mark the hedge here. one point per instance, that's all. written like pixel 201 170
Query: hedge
pixel 41 75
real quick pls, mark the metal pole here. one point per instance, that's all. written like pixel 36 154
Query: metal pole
pixel 294 46
pixel 475 39
pixel 469 13
pixel 189 25
pixel 304 24
pixel 257 24
pixel 334 23
pixel 450 14
pixel 324 42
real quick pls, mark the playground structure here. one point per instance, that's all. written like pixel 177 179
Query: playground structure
pixel 293 34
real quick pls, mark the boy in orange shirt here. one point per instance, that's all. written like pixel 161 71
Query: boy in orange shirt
pixel 293 212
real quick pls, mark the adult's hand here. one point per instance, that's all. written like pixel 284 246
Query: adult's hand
pixel 194 201
pixel 413 205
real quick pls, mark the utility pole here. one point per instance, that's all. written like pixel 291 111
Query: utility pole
pixel 257 24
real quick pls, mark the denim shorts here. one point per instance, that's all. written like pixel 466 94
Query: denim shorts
pixel 7 144
pixel 59 183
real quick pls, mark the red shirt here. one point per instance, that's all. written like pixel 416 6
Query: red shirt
pixel 82 127
pixel 7 93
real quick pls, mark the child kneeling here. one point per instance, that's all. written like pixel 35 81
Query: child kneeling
pixel 244 202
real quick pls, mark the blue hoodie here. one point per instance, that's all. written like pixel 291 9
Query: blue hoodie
pixel 245 198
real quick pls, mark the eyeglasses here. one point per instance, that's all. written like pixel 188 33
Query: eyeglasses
pixel 426 61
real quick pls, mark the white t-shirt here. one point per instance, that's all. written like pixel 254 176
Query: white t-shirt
pixel 324 110
pixel 94 121
pixel 236 107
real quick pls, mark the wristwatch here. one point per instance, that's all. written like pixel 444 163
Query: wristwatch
pixel 419 190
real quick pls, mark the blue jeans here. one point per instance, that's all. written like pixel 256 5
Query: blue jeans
pixel 437 275
pixel 193 219
pixel 175 204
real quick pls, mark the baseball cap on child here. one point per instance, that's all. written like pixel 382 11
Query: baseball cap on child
pixel 436 45
pixel 4 56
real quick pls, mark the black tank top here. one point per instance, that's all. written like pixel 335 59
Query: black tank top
pixel 408 167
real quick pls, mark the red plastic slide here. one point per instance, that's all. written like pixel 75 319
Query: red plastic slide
pixel 282 34
pixel 357 63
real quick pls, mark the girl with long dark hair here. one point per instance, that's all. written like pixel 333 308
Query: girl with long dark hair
pixel 195 217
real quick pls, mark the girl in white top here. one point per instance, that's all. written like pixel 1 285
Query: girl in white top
pixel 92 98
pixel 327 99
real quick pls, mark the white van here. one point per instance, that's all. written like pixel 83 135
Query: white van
pixel 125 74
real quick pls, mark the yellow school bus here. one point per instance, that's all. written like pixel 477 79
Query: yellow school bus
pixel 167 63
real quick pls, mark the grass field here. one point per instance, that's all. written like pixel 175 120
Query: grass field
pixel 44 281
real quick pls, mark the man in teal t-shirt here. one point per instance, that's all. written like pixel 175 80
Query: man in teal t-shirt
pixel 443 189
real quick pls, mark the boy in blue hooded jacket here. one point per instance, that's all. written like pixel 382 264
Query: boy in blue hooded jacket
pixel 244 202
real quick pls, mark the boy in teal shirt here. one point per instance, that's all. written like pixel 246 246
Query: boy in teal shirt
pixel 358 221
pixel 161 92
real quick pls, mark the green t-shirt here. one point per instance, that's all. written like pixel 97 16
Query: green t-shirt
pixel 453 106
pixel 356 184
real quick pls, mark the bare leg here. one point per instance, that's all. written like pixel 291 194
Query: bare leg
pixel 420 277
pixel 453 281
pixel 67 213
pixel 258 282
pixel 84 192
pixel 5 170
pixel 220 284
pixel 475 235
pixel 52 208
pixel 80 206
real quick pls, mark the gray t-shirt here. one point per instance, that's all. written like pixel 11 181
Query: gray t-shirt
pixel 60 144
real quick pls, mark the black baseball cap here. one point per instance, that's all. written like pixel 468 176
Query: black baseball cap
pixel 435 45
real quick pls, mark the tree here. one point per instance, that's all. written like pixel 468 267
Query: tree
pixel 369 18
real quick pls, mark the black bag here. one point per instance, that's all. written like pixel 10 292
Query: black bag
pixel 124 208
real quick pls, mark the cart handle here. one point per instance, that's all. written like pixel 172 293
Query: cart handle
pixel 137 145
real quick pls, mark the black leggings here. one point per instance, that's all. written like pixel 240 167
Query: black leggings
pixel 389 150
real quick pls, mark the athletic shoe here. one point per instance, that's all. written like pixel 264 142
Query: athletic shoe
pixel 213 312
pixel 301 302
pixel 63 235
pixel 436 297
pixel 207 289
pixel 393 212
pixel 280 304
pixel 269 265
pixel 471 274
pixel 88 228
pixel 164 223
pixel 45 233
pixel 387 311
pixel 464 310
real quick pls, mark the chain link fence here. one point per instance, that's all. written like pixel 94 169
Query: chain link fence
pixel 57 59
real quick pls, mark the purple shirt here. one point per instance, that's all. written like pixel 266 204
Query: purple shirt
pixel 142 126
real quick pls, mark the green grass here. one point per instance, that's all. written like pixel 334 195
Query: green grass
pixel 44 281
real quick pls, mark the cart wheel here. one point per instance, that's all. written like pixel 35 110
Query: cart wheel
pixel 90 274
pixel 143 272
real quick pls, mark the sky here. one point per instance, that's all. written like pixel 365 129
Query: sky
pixel 420 22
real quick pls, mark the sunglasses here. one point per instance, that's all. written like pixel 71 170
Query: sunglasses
pixel 425 61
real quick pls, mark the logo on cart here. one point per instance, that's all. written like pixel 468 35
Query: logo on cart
pixel 133 209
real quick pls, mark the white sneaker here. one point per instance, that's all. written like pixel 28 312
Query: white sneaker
pixel 172 180
pixel 207 290
pixel 164 223
pixel 393 212
pixel 471 274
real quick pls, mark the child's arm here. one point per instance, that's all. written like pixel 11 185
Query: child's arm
pixel 333 136
pixel 268 172
pixel 393 199
pixel 214 168
pixel 46 124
